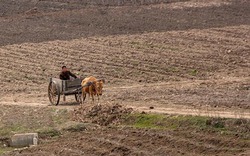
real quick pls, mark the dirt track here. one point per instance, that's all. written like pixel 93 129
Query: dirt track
pixel 161 104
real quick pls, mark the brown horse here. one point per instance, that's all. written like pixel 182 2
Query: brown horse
pixel 92 86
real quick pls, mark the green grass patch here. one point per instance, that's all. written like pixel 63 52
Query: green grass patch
pixel 224 126
pixel 49 132
pixel 174 69
pixel 11 129
pixel 75 127
pixel 146 121
pixel 193 72
pixel 160 121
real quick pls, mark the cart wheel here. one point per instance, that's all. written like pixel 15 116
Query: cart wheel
pixel 80 98
pixel 53 93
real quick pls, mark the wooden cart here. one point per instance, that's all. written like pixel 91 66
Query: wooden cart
pixel 58 87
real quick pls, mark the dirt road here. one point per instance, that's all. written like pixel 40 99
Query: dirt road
pixel 142 97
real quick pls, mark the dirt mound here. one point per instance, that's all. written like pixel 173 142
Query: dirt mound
pixel 103 115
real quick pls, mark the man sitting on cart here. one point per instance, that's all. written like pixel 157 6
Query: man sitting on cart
pixel 66 74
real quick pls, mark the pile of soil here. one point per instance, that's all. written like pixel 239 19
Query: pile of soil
pixel 104 114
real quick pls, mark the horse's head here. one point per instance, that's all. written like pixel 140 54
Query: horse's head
pixel 99 86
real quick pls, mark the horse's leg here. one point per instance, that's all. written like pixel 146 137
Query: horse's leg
pixel 91 93
pixel 93 100
pixel 83 95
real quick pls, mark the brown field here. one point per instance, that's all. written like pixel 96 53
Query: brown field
pixel 179 56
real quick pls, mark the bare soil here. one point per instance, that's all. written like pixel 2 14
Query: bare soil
pixel 126 141
pixel 123 140
pixel 175 56
pixel 103 115
pixel 153 68
pixel 36 21
pixel 199 58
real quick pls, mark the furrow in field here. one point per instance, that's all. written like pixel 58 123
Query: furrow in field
pixel 200 55
pixel 122 62
pixel 31 50
pixel 23 57
pixel 101 60
pixel 130 54
pixel 100 52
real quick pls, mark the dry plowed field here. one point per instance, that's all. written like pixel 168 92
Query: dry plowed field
pixel 138 142
pixel 194 67
pixel 178 56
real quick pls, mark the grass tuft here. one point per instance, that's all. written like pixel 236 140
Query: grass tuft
pixel 194 72
pixel 49 133
pixel 224 126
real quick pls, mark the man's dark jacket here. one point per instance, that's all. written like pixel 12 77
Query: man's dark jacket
pixel 66 75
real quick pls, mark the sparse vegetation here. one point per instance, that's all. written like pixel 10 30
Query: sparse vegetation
pixel 5 149
pixel 46 120
pixel 49 132
pixel 144 124
pixel 75 128
pixel 193 72
pixel 239 127
pixel 12 129
pixel 60 116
